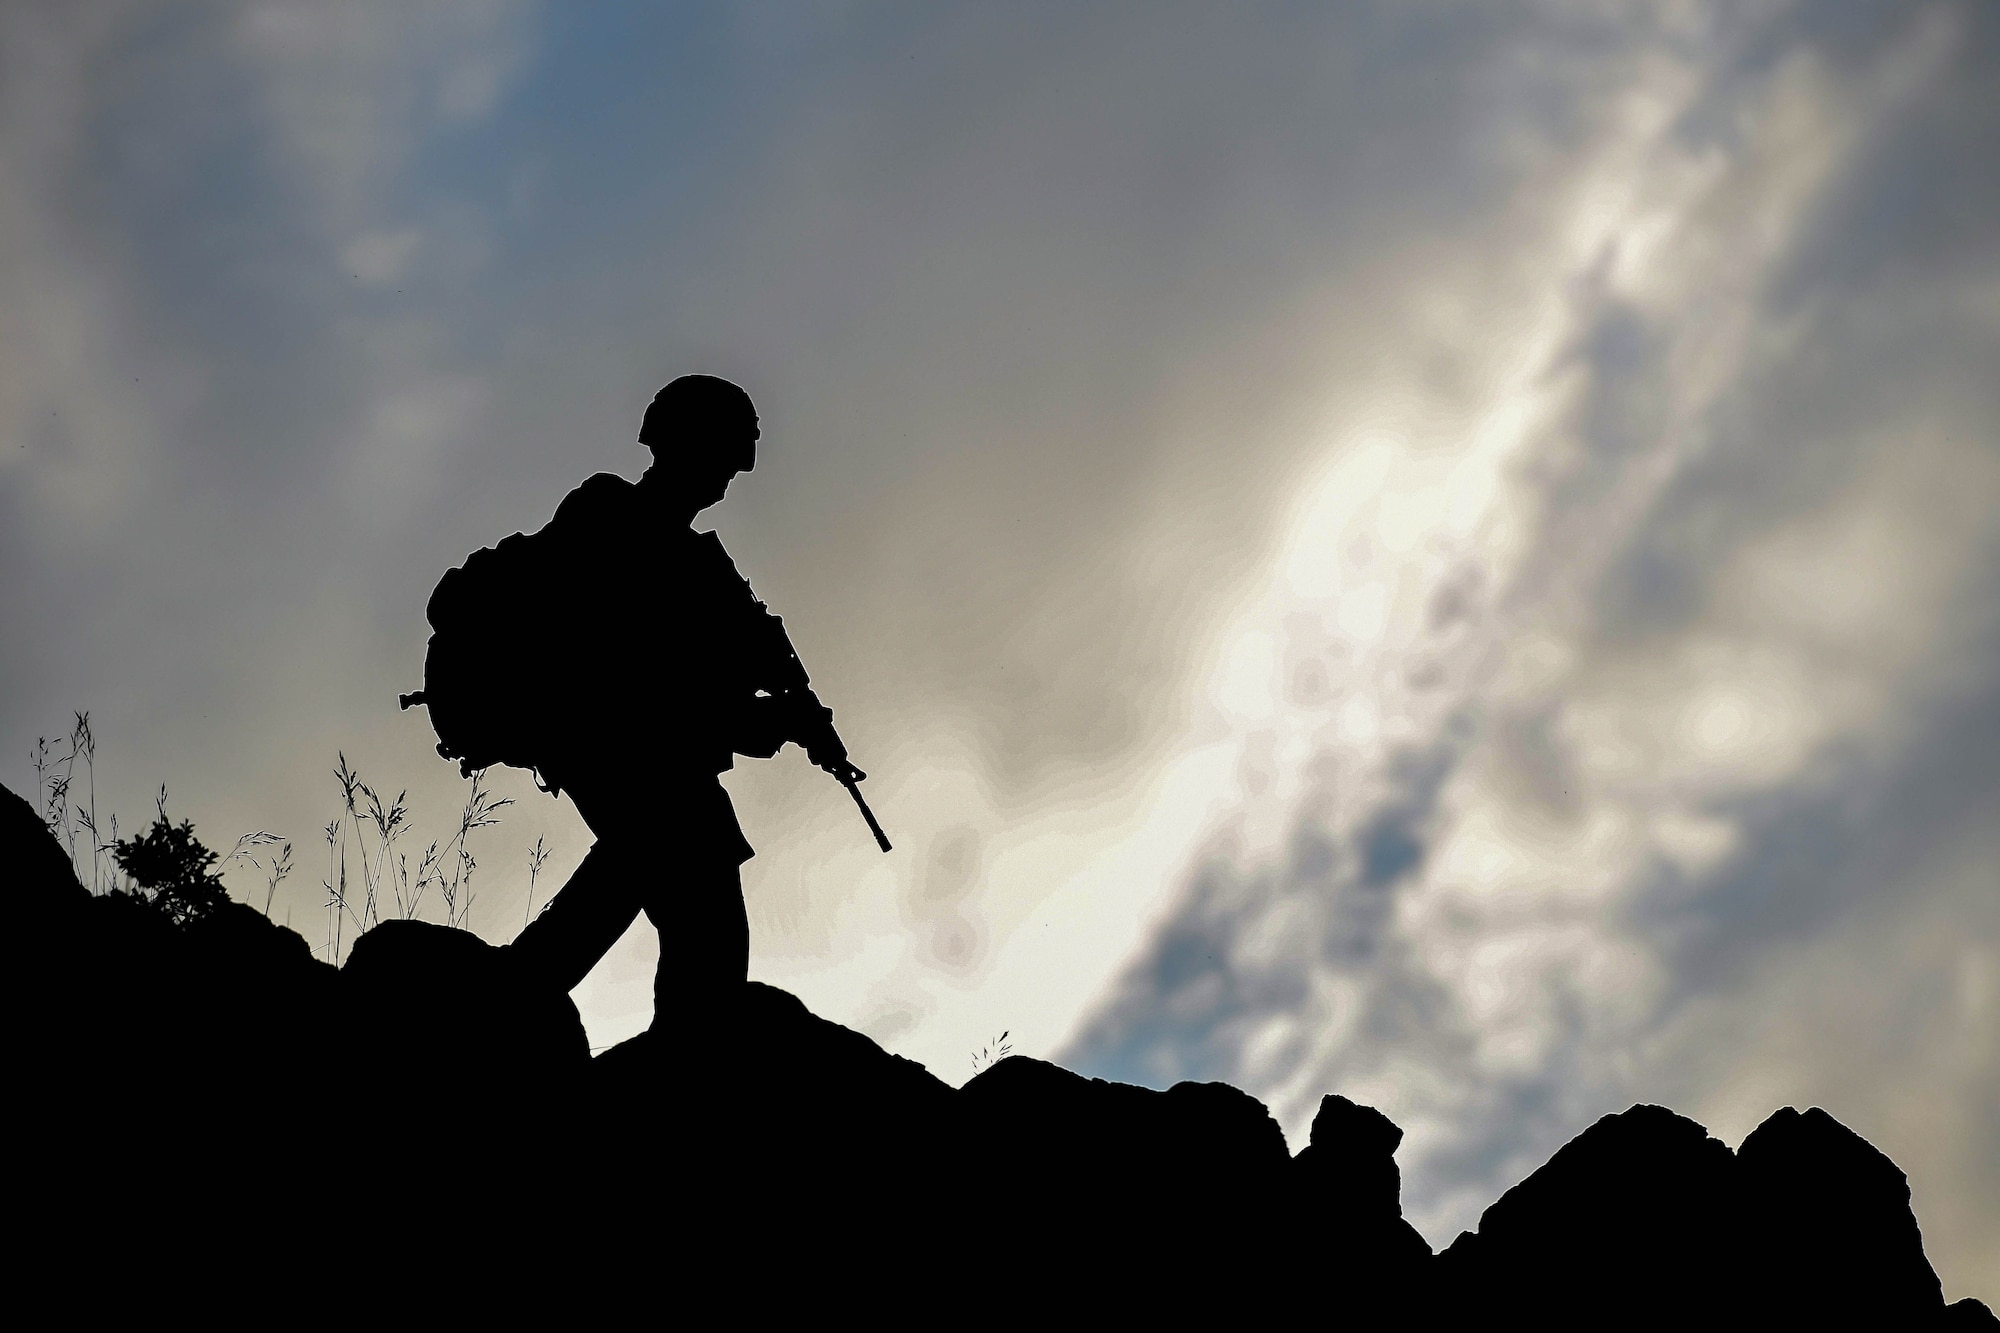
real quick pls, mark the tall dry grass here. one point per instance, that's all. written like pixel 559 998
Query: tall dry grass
pixel 369 877
pixel 72 819
pixel 363 859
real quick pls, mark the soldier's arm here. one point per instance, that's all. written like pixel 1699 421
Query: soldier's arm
pixel 785 695
pixel 763 725
pixel 786 708
pixel 789 710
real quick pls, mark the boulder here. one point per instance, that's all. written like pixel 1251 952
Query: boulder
pixel 1349 1166
pixel 1348 1193
pixel 762 1147
pixel 430 1011
pixel 1635 1223
pixel 1066 1132
pixel 1830 1221
pixel 1162 1202
pixel 35 873
pixel 763 1093
pixel 1968 1315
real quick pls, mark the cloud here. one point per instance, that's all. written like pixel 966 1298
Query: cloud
pixel 1454 524
pixel 199 418
pixel 352 92
pixel 379 257
pixel 1651 685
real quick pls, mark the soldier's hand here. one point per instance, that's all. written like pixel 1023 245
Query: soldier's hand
pixel 823 747
pixel 822 743
pixel 844 771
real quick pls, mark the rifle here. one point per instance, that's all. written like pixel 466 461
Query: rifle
pixel 789 679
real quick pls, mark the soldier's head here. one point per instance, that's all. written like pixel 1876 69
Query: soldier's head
pixel 702 431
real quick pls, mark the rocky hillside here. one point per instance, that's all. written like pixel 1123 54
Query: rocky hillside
pixel 215 1121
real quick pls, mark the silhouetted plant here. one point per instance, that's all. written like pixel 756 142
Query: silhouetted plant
pixel 68 820
pixel 372 826
pixel 991 1054
pixel 538 856
pixel 279 867
pixel 54 770
pixel 169 867
pixel 481 811
pixel 364 810
pixel 83 739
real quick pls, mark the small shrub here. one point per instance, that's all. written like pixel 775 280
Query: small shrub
pixel 169 867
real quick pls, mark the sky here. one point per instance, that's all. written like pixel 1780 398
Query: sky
pixel 1443 553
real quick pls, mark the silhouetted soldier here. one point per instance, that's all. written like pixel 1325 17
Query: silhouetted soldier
pixel 680 668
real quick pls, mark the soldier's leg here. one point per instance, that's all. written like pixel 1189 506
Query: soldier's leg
pixel 581 923
pixel 704 939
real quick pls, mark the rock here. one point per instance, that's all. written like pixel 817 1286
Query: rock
pixel 760 1127
pixel 243 940
pixel 1349 1193
pixel 1350 1163
pixel 432 1011
pixel 150 1062
pixel 138 1012
pixel 1635 1223
pixel 460 1135
pixel 1061 1130
pixel 773 1093
pixel 35 873
pixel 451 1075
pixel 1968 1315
pixel 1831 1222
pixel 1177 1193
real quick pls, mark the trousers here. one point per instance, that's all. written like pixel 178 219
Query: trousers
pixel 678 859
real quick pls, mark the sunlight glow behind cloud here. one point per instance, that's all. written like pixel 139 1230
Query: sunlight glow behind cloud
pixel 1468 895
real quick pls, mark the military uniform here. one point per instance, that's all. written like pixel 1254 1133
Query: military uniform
pixel 661 672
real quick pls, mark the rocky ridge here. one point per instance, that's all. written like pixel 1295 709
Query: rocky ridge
pixel 470 1154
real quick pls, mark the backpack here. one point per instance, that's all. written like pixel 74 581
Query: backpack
pixel 493 695
pixel 474 666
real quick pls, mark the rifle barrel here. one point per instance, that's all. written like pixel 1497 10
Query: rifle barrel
pixel 881 838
